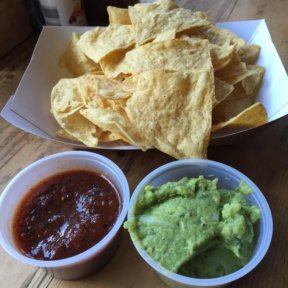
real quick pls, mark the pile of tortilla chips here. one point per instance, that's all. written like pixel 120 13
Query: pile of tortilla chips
pixel 158 76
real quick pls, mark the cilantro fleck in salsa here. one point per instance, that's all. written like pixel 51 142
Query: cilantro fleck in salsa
pixel 65 215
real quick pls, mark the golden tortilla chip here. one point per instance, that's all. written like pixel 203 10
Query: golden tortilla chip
pixel 73 123
pixel 96 44
pixel 117 123
pixel 222 91
pixel 108 89
pixel 62 100
pixel 172 110
pixel 160 70
pixel 165 36
pixel 94 86
pixel 130 84
pixel 251 83
pixel 219 36
pixel 66 102
pixel 174 55
pixel 118 15
pixel 108 136
pixel 234 103
pixel 253 116
pixel 75 61
pixel 201 14
pixel 87 40
pixel 249 53
pixel 224 44
pixel 148 26
pixel 221 55
pixel 70 96
pixel 234 72
pixel 144 8
pixel 112 60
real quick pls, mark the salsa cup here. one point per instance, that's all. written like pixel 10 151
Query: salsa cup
pixel 228 178
pixel 94 258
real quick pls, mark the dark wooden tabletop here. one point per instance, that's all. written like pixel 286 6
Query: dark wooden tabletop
pixel 263 156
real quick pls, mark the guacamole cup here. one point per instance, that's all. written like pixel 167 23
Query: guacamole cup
pixel 228 178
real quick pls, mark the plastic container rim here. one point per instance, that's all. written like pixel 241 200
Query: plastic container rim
pixel 257 257
pixel 89 253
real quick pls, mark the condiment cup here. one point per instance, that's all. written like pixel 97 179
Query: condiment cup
pixel 89 261
pixel 229 178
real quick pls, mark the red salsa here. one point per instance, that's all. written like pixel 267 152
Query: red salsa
pixel 65 215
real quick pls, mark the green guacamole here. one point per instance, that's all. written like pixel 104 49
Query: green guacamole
pixel 194 228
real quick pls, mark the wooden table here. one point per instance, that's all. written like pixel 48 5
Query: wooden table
pixel 263 157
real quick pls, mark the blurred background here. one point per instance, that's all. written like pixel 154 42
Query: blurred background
pixel 22 18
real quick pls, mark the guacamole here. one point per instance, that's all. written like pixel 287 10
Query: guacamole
pixel 194 228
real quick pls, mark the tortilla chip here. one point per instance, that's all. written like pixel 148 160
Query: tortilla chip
pixel 234 72
pixel 62 100
pixel 160 70
pixel 148 26
pixel 165 36
pixel 75 61
pixel 108 136
pixel 222 91
pixel 221 55
pixel 73 123
pixel 249 53
pixel 253 116
pixel 65 107
pixel 234 103
pixel 144 8
pixel 117 123
pixel 108 89
pixel 118 15
pixel 219 36
pixel 96 44
pixel 180 125
pixel 252 83
pixel 70 96
pixel 174 55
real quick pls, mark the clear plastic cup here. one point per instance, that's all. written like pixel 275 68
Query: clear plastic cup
pixel 228 178
pixel 93 258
